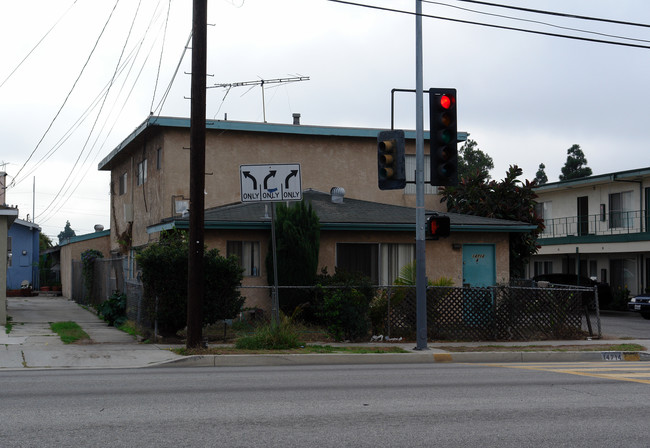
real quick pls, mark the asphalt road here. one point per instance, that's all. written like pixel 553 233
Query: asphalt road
pixel 451 405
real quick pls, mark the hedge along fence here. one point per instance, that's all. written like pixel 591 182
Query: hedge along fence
pixel 470 314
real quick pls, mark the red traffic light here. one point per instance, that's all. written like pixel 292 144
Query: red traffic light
pixel 445 101
pixel 437 227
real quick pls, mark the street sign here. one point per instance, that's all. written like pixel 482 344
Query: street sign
pixel 270 183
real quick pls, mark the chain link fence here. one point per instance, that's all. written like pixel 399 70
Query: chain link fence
pixel 463 314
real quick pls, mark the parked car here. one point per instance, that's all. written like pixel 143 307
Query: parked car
pixel 640 304
pixel 604 291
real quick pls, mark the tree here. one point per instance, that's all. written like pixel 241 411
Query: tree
pixel 540 176
pixel 44 242
pixel 575 166
pixel 164 277
pixel 66 233
pixel 508 199
pixel 472 160
pixel 297 236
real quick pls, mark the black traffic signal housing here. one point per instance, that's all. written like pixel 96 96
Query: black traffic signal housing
pixel 444 137
pixel 391 170
pixel 438 226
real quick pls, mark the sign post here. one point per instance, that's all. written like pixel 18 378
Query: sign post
pixel 271 183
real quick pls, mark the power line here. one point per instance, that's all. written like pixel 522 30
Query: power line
pixel 560 14
pixel 13 182
pixel 490 25
pixel 37 44
pixel 539 22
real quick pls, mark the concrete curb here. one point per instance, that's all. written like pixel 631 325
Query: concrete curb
pixel 398 358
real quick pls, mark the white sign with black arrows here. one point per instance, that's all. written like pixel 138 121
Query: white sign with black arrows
pixel 270 183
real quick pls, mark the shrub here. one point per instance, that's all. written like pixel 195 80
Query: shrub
pixel 113 310
pixel 88 258
pixel 164 275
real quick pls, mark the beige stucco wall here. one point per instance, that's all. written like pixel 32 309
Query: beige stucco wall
pixel 325 162
pixel 442 259
pixel 72 251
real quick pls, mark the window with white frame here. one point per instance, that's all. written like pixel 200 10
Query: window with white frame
pixel 545 211
pixel 620 210
pixel 248 254
pixel 381 262
pixel 142 172
pixel 409 162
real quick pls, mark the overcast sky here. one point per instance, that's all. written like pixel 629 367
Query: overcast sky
pixel 525 98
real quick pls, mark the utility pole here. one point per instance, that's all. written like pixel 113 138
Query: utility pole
pixel 196 269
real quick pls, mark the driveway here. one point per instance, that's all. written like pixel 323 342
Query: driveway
pixel 622 324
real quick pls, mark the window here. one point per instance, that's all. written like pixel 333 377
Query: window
pixel 9 254
pixel 410 175
pixel 620 210
pixel 379 262
pixel 248 253
pixel 545 211
pixel 159 159
pixel 122 187
pixel 623 273
pixel 142 172
pixel 543 267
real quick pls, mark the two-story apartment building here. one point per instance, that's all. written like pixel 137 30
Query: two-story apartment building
pixel 150 191
pixel 597 226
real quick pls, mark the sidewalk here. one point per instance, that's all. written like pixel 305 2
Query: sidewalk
pixel 31 344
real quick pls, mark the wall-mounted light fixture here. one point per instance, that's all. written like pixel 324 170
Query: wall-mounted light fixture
pixel 456 246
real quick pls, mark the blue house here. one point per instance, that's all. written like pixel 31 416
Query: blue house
pixel 23 248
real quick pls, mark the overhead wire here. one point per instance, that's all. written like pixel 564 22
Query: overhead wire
pixel 68 180
pixel 490 25
pixel 29 53
pixel 162 49
pixel 539 22
pixel 92 51
pixel 559 14
pixel 132 57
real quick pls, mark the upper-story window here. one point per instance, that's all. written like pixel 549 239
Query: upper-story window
pixel 142 172
pixel 122 184
pixel 159 159
pixel 409 162
pixel 621 212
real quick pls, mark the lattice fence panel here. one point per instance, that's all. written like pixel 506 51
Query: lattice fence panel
pixel 497 313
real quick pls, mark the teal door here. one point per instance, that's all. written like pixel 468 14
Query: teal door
pixel 479 265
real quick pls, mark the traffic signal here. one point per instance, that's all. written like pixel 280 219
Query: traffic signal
pixel 443 129
pixel 391 169
pixel 437 227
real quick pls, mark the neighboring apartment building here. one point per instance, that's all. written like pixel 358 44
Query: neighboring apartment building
pixel 598 226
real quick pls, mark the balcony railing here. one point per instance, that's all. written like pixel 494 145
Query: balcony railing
pixel 612 223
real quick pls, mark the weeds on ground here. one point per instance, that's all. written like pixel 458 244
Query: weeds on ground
pixel 9 325
pixel 271 337
pixel 69 332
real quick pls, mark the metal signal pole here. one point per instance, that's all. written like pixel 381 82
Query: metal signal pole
pixel 420 242
pixel 195 277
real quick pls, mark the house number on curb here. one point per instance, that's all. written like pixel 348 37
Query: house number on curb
pixel 270 183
